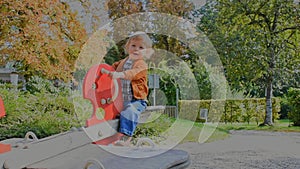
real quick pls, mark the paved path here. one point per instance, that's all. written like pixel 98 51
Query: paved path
pixel 247 150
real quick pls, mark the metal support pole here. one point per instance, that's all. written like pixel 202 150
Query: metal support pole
pixel 177 99
pixel 154 90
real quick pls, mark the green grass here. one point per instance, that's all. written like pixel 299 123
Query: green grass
pixel 187 131
pixel 193 135
pixel 222 130
pixel 279 125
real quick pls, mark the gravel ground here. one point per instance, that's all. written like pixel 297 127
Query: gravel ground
pixel 247 150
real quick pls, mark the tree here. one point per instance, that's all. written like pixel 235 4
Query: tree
pixel 122 8
pixel 182 9
pixel 258 41
pixel 43 37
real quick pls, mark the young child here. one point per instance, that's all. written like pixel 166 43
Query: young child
pixel 133 74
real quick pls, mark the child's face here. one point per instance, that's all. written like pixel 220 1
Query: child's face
pixel 135 48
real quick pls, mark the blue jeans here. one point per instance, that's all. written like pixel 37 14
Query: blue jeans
pixel 130 115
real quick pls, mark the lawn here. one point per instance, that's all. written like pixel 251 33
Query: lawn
pixel 279 125
pixel 222 130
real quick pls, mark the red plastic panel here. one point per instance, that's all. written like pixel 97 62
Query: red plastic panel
pixel 3 147
pixel 97 87
pixel 2 109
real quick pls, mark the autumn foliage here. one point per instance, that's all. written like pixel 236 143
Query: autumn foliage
pixel 43 37
pixel 120 8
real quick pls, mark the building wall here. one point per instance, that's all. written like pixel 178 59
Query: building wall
pixel 5 75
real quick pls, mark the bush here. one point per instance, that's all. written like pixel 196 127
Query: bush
pixel 37 84
pixel 285 108
pixel 44 114
pixel 293 98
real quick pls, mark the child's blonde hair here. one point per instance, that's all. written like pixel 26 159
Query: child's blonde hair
pixel 139 36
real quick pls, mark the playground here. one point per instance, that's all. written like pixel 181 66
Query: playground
pixel 242 149
pixel 84 147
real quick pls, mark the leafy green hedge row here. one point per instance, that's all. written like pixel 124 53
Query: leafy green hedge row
pixel 42 113
pixel 293 98
pixel 237 110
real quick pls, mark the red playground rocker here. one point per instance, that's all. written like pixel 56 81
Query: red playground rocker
pixel 3 147
pixel 103 92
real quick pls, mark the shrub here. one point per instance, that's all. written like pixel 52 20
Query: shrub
pixel 293 98
pixel 37 84
pixel 44 114
pixel 285 108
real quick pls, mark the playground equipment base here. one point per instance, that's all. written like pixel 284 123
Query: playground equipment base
pixel 74 150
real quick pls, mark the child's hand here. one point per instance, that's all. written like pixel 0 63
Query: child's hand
pixel 117 75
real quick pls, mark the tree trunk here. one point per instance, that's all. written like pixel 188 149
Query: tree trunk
pixel 269 115
pixel 268 118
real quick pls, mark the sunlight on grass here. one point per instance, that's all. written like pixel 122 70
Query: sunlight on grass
pixel 195 131
pixel 176 132
pixel 222 131
pixel 279 125
pixel 194 134
pixel 161 128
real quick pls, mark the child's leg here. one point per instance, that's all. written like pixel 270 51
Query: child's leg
pixel 128 121
pixel 130 115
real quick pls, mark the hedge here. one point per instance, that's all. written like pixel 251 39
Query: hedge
pixel 293 98
pixel 231 110
pixel 44 114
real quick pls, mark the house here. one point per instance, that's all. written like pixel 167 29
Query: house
pixel 9 75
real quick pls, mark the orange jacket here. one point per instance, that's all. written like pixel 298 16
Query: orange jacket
pixel 137 75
